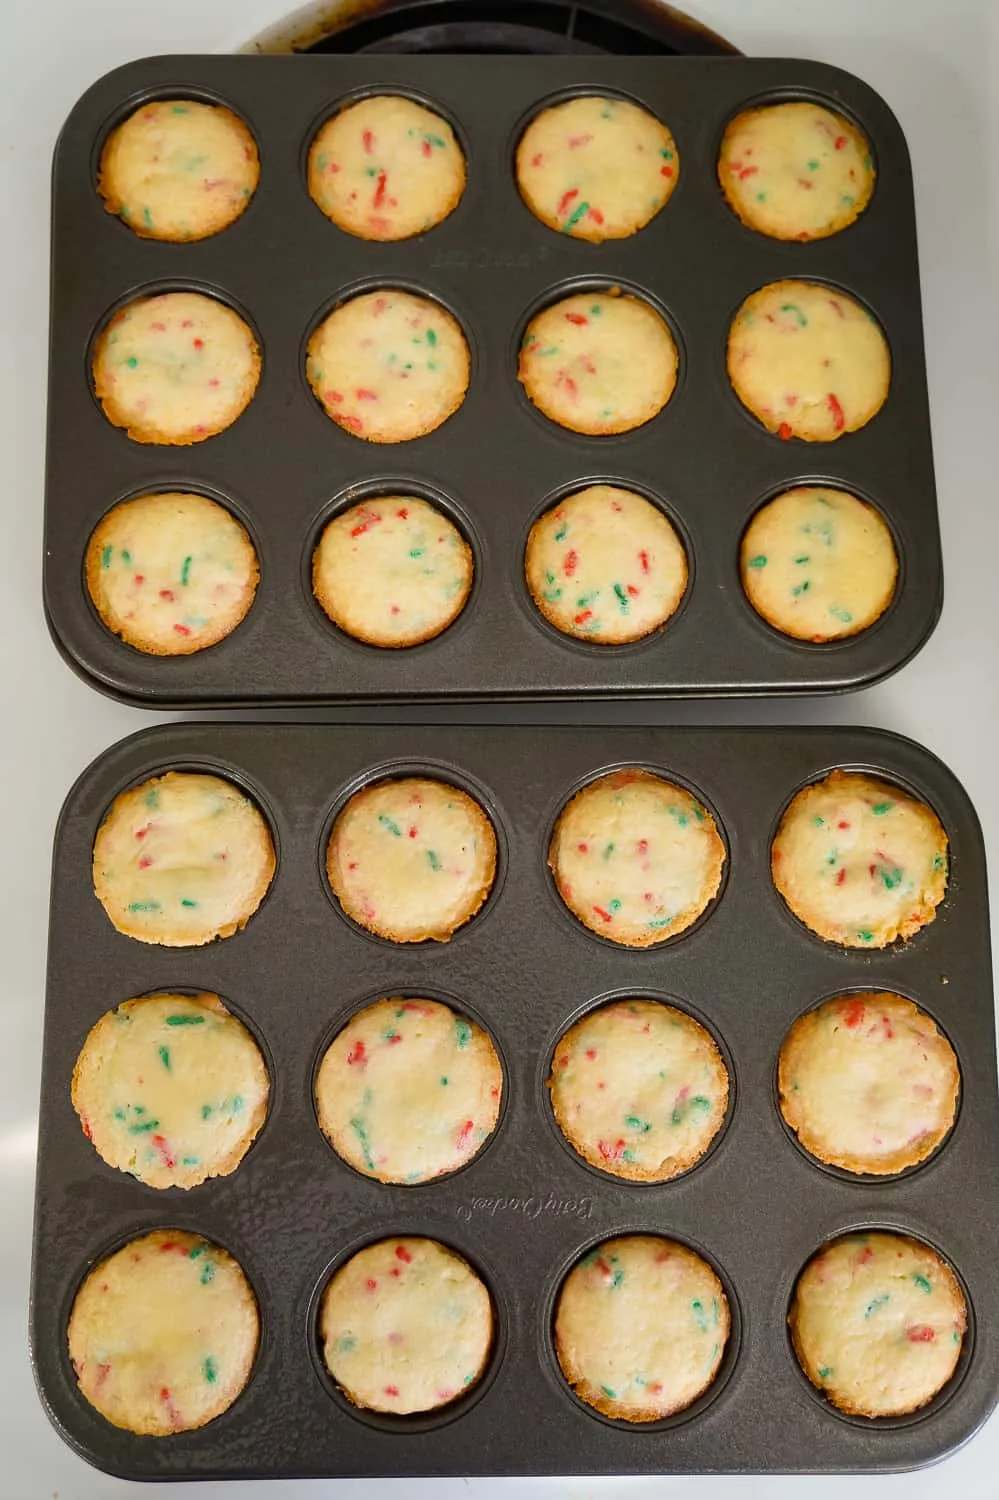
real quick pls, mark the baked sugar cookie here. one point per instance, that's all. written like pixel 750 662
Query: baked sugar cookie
pixel 386 168
pixel 409 1090
pixel 392 571
pixel 178 170
pixel 411 859
pixel 182 859
pixel 639 1089
pixel 389 366
pixel 795 171
pixel 171 1088
pixel 406 1325
pixel 877 1323
pixel 598 363
pixel 641 1326
pixel 605 565
pixel 859 861
pixel 596 168
pixel 176 368
pixel 163 1333
pixel 818 564
pixel 636 858
pixel 868 1083
pixel 171 573
pixel 808 361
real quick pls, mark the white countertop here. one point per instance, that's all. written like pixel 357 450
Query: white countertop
pixel 937 64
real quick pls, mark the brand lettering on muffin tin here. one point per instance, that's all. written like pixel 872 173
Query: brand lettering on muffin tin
pixel 486 259
pixel 530 1208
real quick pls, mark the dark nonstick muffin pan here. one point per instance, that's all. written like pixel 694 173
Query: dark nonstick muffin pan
pixel 284 467
pixel 527 1207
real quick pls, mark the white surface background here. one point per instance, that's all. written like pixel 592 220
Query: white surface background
pixel 937 64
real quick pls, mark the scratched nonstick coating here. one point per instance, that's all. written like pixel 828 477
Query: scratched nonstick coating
pixel 526 1207
pixel 284 465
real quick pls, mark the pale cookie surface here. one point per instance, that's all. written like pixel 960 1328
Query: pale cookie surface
pixel 860 862
pixel 171 573
pixel 795 171
pixel 406 1326
pixel 640 1327
pixel 389 366
pixel 409 1090
pixel 163 1333
pixel 596 169
pixel 818 564
pixel 877 1322
pixel 598 363
pixel 392 571
pixel 605 565
pixel 386 168
pixel 182 859
pixel 176 368
pixel 179 170
pixel 411 859
pixel 636 858
pixel 868 1083
pixel 639 1089
pixel 171 1088
pixel 808 361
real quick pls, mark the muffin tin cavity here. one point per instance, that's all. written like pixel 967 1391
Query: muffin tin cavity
pixel 525 1208
pixel 493 265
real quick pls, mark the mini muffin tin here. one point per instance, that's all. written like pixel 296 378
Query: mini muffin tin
pixel 526 1208
pixel 284 466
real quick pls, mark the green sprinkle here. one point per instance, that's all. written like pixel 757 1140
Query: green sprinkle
pixel 131 361
pixel 236 1104
pixel 664 151
pixel 608 851
pixel 867 160
pixel 431 336
pixel 758 562
pixel 185 572
pixel 938 861
pixel 848 199
pixel 198 1250
pixel 186 901
pixel 392 826
pixel 865 936
pixel 700 1101
pixel 126 556
pixel 697 1307
pixel 802 560
pixel 164 1053
pixel 611 1395
pixel 622 598
pixel 123 213
pixel 761 197
pixel 880 808
pixel 185 1020
pixel 792 307
pixel 551 596
pixel 143 1127
pixel 825 1372
pixel 443 1080
pixel 106 556
pixel 922 1282
pixel 189 1161
pixel 634 1123
pixel 144 906
pixel 596 310
pixel 560 536
pixel 357 1126
pixel 876 1303
pixel 813 166
pixel 681 817
pixel 891 878
pixel 207 1272
pixel 955 1337
pixel 614 905
pixel 346 1344
pixel 659 922
pixel 435 140
pixel 434 859
pixel 211 1370
pixel 119 1114
pixel 152 797
pixel 207 1110
pixel 387 1036
pixel 417 551
pixel 462 1031
pixel 147 218
pixel 819 822
pixel 180 109
pixel 800 588
pixel 838 613
pixel 576 215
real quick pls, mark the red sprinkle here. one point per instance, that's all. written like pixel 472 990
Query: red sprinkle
pixel 369 141
pixel 402 513
pixel 583 848
pixel 356 1055
pixel 843 823
pixel 571 563
pixel 667 171
pixel 841 877
pixel 403 1254
pixel 566 199
pixel 643 558
pixel 363 394
pixel 145 862
pixel 581 619
pixel 604 914
pixel 591 1053
pixel 537 159
pixel 368 519
pixel 747 172
pixel 595 215
pixel 465 1135
pixel 426 148
pixel 579 140
pixel 380 189
pixel 632 591
pixel 199 343
pixel 159 1142
pixel 839 420
pixel 854 1012
pixel 784 431
pixel 371 1283
pixel 922 1333
pixel 391 1390
pixel 168 595
pixel 182 630
pixel 865 1255
pixel 839 142
pixel 578 318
